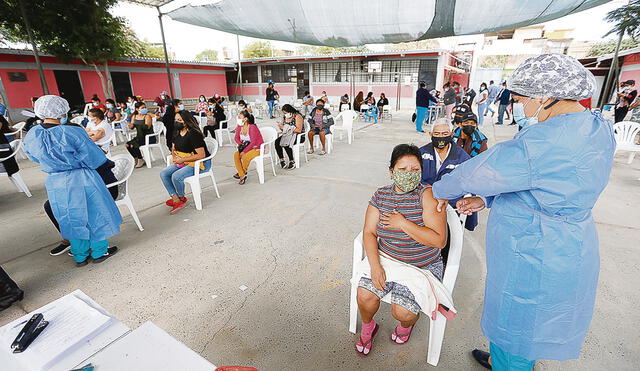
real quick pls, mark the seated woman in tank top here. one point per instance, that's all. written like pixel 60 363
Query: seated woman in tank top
pixel 402 222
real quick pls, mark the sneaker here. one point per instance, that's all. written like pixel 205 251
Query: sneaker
pixel 140 163
pixel 310 151
pixel 292 165
pixel 170 202
pixel 178 206
pixel 60 249
pixel 322 153
pixel 283 164
pixel 110 251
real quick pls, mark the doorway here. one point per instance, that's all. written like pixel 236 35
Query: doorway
pixel 302 79
pixel 121 85
pixel 69 87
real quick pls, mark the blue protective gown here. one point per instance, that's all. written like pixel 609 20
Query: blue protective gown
pixel 79 198
pixel 541 242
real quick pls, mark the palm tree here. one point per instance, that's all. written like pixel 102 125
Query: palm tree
pixel 626 19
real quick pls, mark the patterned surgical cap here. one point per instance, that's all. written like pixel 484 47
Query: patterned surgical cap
pixel 554 76
pixel 51 107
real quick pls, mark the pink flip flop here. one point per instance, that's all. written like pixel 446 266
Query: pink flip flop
pixel 395 336
pixel 364 344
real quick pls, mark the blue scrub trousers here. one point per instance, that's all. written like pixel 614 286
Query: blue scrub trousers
pixel 173 177
pixel 421 114
pixel 504 361
pixel 80 249
pixel 270 103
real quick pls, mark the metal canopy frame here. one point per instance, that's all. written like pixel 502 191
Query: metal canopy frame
pixel 157 4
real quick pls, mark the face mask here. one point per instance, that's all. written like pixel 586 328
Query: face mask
pixel 521 118
pixel 468 129
pixel 240 122
pixel 181 107
pixel 288 115
pixel 144 111
pixel 63 120
pixel 95 104
pixel 407 181
pixel 179 125
pixel 440 142
pixel 109 105
pixel 201 99
pixel 241 107
pixel 210 106
pixel 320 107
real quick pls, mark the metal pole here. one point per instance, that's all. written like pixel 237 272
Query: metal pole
pixel 604 97
pixel 240 67
pixel 166 55
pixel 43 81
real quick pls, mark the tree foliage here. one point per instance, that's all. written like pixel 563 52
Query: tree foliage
pixel 71 29
pixel 626 19
pixel 208 55
pixel 607 47
pixel 257 49
pixel 320 50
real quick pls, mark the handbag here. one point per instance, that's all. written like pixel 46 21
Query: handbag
pixel 244 145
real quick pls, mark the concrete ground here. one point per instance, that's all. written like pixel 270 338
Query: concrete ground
pixel 290 242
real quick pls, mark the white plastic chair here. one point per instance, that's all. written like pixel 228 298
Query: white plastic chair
pixel 147 154
pixel 16 179
pixel 223 128
pixel 625 133
pixel 17 129
pixel 347 124
pixel 269 136
pixel 298 146
pixel 328 140
pixel 436 328
pixel 194 180
pixel 123 129
pixel 202 120
pixel 122 171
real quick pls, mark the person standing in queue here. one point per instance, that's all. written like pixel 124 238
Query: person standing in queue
pixel 423 97
pixel 541 242
pixel 272 96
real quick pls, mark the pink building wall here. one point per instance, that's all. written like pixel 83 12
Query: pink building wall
pixel 149 85
pixel 194 84
pixel 19 93
pixel 91 85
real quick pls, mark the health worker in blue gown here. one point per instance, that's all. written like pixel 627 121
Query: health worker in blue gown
pixel 79 199
pixel 541 242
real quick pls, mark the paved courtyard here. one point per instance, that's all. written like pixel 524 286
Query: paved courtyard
pixel 290 242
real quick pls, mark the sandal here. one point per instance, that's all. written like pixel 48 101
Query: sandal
pixel 401 338
pixel 243 180
pixel 236 175
pixel 361 346
pixel 310 152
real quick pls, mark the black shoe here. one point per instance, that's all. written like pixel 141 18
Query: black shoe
pixel 513 123
pixel 497 123
pixel 110 252
pixel 482 357
pixel 292 165
pixel 82 263
pixel 60 249
pixel 283 164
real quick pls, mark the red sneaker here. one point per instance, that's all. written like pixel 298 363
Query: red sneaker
pixel 177 206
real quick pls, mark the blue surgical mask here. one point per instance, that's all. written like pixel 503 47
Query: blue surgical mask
pixel 521 118
pixel 63 120
pixel 109 105
pixel 144 111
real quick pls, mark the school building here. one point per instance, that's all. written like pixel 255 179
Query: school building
pixel 394 73
pixel 77 82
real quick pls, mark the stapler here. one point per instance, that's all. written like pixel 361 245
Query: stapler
pixel 29 333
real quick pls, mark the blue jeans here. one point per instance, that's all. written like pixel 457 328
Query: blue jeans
pixel 80 249
pixel 173 177
pixel 481 110
pixel 501 110
pixel 270 103
pixel 505 361
pixel 421 114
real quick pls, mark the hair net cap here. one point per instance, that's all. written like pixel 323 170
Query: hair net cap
pixel 553 75
pixel 51 107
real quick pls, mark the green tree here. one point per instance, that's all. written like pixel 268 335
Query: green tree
pixel 607 47
pixel 71 29
pixel 626 19
pixel 208 55
pixel 257 49
pixel 145 49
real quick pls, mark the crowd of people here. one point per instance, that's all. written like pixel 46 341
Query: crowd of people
pixel 538 301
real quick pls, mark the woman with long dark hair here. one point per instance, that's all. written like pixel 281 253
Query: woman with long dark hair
pixel 142 123
pixel 187 148
pixel 248 138
pixel 292 124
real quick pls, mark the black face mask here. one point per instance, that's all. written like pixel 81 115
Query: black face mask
pixel 468 129
pixel 179 125
pixel 440 142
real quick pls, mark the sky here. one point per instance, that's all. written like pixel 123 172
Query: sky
pixel 186 40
